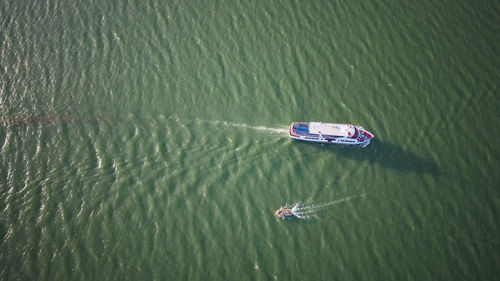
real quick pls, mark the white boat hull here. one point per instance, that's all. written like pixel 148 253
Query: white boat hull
pixel 330 133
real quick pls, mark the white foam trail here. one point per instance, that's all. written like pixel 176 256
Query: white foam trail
pixel 274 130
pixel 260 128
pixel 314 207
pixel 304 211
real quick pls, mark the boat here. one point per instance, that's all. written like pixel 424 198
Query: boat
pixel 284 213
pixel 292 212
pixel 334 133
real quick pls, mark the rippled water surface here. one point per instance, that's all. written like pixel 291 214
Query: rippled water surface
pixel 147 140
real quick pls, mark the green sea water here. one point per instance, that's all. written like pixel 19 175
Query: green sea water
pixel 147 140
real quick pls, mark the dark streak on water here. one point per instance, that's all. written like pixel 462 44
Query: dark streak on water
pixel 20 120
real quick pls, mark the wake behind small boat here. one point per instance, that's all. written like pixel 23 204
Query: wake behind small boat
pixel 334 133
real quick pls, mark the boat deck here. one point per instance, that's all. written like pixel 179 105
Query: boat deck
pixel 338 133
pixel 325 129
pixel 301 129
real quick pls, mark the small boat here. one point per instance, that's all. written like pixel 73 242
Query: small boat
pixel 335 133
pixel 292 212
pixel 284 213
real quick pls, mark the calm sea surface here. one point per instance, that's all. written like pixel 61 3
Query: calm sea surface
pixel 147 140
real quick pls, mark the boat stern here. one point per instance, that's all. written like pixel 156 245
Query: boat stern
pixel 292 132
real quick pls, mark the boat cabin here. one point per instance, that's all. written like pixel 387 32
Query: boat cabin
pixel 332 129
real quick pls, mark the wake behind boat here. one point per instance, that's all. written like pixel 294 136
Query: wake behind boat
pixel 335 133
